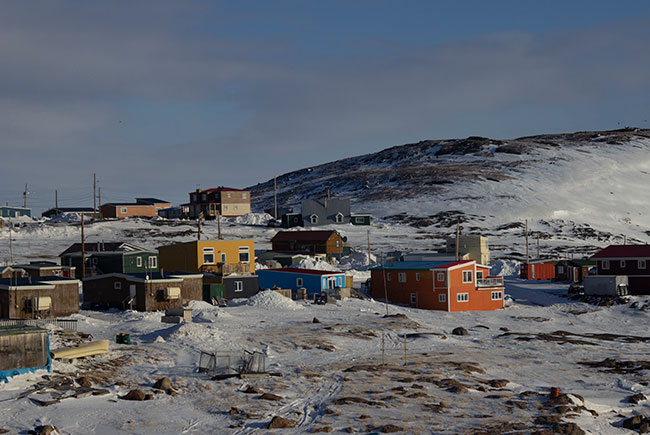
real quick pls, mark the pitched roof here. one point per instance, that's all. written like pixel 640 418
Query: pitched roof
pixel 129 204
pixel 221 189
pixel 305 271
pixel 319 236
pixel 455 263
pixel 101 247
pixel 152 200
pixel 411 265
pixel 624 251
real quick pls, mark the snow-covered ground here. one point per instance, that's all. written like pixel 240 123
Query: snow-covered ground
pixel 332 374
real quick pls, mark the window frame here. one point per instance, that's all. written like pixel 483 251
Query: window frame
pixel 622 264
pixel 440 276
pixel 244 250
pixel 223 257
pixel 208 251
pixel 641 264
pixel 442 297
pixel 313 219
pixel 414 298
pixel 299 282
pixel 123 210
pixel 387 276
pixel 239 286
pixel 499 296
pixel 338 218
pixel 417 276
pixel 462 297
pixel 471 276
pixel 401 277
pixel 153 262
pixel 117 285
pixel 604 264
pixel 138 261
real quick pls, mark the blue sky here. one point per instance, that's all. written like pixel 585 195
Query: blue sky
pixel 158 97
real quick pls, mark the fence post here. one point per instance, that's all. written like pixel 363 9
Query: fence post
pixel 383 356
pixel 405 348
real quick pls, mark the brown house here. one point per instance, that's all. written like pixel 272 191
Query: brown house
pixel 31 298
pixel 328 244
pixel 224 201
pixel 124 210
pixel 12 272
pixel 150 292
pixel 38 269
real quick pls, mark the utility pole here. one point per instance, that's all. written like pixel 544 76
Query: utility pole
pixel 99 200
pixel 275 198
pixel 368 247
pixel 11 243
pixel 219 225
pixel 25 197
pixel 199 226
pixel 94 196
pixel 83 249
pixel 56 202
pixel 538 246
pixel 527 257
pixel 457 239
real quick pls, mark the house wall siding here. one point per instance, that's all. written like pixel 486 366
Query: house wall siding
pixel 65 300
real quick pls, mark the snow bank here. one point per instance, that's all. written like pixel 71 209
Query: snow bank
pixel 258 219
pixel 505 268
pixel 312 263
pixel 268 300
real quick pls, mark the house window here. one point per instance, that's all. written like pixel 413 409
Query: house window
pixel 138 261
pixel 467 276
pixel 417 276
pixel 313 219
pixel 359 220
pixel 153 262
pixel 117 285
pixel 208 255
pixel 622 264
pixel 641 264
pixel 225 207
pixel 401 276
pixel 605 265
pixel 235 207
pixel 442 297
pixel 496 296
pixel 462 297
pixel 244 256
pixel 244 195
pixel 239 286
pixel 339 218
pixel 414 298
pixel 440 276
pixel 123 210
pixel 299 282
pixel 560 269
pixel 479 275
pixel 387 276
pixel 223 257
pixel 203 197
pixel 228 195
pixel 94 261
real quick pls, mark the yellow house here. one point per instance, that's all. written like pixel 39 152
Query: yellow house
pixel 217 256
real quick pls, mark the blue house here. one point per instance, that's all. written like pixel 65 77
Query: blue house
pixel 10 212
pixel 25 349
pixel 314 281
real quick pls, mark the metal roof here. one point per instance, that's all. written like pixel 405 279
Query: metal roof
pixel 287 236
pixel 305 271
pixel 624 251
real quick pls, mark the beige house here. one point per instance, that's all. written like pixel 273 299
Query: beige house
pixel 475 246
pixel 224 201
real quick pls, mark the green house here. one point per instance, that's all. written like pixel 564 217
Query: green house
pixel 103 258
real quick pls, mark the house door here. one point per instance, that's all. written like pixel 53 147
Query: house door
pixel 132 291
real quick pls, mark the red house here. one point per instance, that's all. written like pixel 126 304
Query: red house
pixel 630 260
pixel 457 286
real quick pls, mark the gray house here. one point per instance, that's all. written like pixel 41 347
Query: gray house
pixel 325 211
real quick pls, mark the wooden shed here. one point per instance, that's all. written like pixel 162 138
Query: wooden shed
pixel 538 270
pixel 23 349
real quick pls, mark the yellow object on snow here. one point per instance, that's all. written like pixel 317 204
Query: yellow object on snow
pixel 94 348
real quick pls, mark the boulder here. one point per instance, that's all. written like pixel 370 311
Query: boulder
pixel 459 331
pixel 252 390
pixel 278 422
pixel 163 384
pixel 270 396
pixel 84 381
pixel 46 429
pixel 315 320
pixel 636 398
pixel 137 395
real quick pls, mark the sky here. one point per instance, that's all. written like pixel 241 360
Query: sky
pixel 160 97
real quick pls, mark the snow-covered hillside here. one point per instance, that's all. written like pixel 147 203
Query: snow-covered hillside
pixel 578 191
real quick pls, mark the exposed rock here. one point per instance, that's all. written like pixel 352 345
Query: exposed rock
pixel 636 398
pixel 45 430
pixel 567 429
pixel 389 428
pixel 252 390
pixel 315 320
pixel 163 384
pixel 278 422
pixel 547 419
pixel 84 381
pixel 137 395
pixel 459 331
pixel 323 429
pixel 364 417
pixel 498 383
pixel 270 396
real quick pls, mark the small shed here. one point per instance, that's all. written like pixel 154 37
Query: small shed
pixel 360 219
pixel 292 220
pixel 23 349
pixel 538 270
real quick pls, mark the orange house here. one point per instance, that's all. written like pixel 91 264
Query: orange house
pixel 457 286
